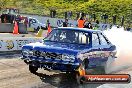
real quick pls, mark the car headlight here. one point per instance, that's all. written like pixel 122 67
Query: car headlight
pixel 25 52
pixel 68 57
pixel 30 53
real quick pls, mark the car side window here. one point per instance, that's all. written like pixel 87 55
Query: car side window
pixel 95 39
pixel 102 39
pixel 83 39
pixel 53 36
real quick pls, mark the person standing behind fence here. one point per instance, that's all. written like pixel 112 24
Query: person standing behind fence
pixel 81 22
pixel 65 24
pixel 96 25
pixel 48 27
pixel 17 19
pixel 88 25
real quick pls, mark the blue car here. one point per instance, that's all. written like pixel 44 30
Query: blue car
pixel 67 49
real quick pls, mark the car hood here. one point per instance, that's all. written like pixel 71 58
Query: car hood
pixel 57 47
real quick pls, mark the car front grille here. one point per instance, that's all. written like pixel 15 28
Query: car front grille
pixel 36 53
pixel 47 55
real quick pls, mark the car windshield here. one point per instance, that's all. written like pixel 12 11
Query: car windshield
pixel 68 36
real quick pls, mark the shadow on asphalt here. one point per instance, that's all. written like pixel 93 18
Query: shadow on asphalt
pixel 63 80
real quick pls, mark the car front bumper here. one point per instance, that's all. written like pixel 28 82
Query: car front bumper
pixel 64 66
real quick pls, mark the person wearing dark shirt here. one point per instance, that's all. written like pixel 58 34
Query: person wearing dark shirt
pixel 18 19
pixel 65 24
pixel 88 25
pixel 3 16
pixel 97 21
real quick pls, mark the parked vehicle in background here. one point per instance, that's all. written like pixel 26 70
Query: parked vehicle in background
pixel 8 18
pixel 8 15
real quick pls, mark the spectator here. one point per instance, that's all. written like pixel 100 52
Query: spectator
pixel 17 19
pixel 65 24
pixel 88 25
pixel 47 24
pixel 3 17
pixel 30 22
pixel 25 21
pixel 11 18
pixel 96 25
pixel 97 21
pixel 81 22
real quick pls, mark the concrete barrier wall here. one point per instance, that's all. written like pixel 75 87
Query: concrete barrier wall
pixel 22 29
pixel 8 28
pixel 16 43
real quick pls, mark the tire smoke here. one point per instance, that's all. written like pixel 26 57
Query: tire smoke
pixel 123 41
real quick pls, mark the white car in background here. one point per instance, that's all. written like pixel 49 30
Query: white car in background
pixel 35 24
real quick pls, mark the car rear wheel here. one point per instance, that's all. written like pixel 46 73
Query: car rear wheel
pixel 33 69
pixel 80 79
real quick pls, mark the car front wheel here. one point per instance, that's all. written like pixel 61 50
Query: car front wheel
pixel 33 69
pixel 82 71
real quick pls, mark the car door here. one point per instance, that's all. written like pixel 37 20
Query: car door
pixel 94 60
pixel 106 47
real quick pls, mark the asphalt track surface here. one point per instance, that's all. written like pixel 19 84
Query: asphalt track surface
pixel 14 73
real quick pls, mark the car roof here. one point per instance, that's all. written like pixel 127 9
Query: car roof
pixel 78 29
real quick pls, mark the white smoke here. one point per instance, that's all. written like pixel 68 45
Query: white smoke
pixel 123 41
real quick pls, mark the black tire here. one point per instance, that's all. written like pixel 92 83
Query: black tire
pixel 80 79
pixel 33 69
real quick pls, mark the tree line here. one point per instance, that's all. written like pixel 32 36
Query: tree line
pixel 98 7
